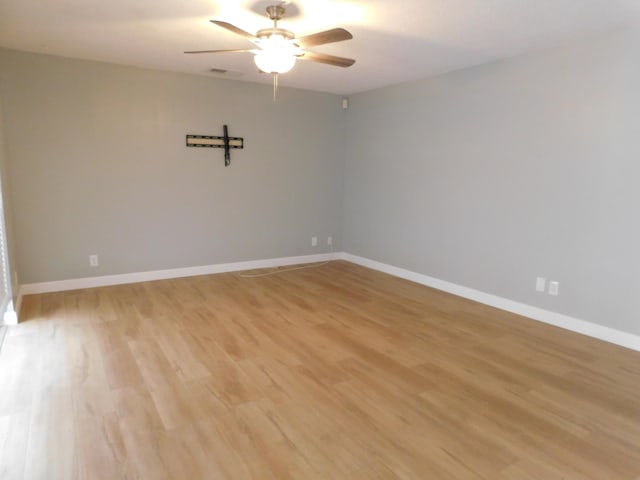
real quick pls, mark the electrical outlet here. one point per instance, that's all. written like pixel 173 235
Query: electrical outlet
pixel 541 284
pixel 554 288
pixel 314 241
pixel 93 260
pixel 329 241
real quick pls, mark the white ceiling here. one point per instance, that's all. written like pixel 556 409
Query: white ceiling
pixel 394 40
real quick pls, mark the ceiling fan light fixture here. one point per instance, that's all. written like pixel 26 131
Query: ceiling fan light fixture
pixel 276 56
pixel 279 48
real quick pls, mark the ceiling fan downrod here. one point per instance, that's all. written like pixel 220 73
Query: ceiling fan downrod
pixel 275 12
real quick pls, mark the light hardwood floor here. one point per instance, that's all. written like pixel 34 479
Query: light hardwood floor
pixel 335 372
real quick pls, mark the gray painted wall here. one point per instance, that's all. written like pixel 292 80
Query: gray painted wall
pixel 494 175
pixel 486 177
pixel 8 213
pixel 98 165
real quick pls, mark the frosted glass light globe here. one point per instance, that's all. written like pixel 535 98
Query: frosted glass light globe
pixel 277 55
pixel 273 61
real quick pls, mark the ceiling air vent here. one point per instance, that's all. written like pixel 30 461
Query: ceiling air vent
pixel 225 73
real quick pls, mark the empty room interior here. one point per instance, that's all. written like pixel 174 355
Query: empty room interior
pixel 320 240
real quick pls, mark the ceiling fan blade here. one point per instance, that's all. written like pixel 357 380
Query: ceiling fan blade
pixel 221 51
pixel 330 59
pixel 236 30
pixel 321 38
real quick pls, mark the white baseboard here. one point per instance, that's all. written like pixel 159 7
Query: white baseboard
pixel 107 280
pixel 590 329
pixel 600 332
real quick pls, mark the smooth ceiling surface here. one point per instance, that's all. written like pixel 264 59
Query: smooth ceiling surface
pixel 394 41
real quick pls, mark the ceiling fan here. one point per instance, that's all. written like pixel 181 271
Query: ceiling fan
pixel 278 49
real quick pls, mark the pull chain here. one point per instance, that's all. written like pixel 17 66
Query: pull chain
pixel 275 86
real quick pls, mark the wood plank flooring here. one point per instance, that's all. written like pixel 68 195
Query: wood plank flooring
pixel 335 372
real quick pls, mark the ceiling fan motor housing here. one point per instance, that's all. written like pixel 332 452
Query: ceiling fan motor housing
pixel 275 12
pixel 269 32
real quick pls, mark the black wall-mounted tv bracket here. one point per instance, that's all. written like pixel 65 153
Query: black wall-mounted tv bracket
pixel 208 141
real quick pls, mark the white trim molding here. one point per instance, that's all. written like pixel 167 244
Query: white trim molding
pixel 584 327
pixel 107 280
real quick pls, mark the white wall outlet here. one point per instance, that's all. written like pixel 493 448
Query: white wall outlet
pixel 314 241
pixel 329 241
pixel 541 284
pixel 554 288
pixel 93 260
